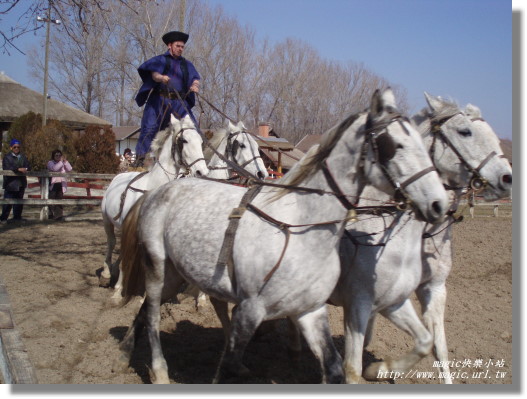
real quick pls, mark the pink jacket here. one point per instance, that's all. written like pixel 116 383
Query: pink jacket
pixel 61 167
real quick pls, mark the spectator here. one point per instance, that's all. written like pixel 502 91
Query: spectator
pixel 14 186
pixel 58 185
pixel 126 161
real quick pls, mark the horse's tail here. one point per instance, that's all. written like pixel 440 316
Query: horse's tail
pixel 133 253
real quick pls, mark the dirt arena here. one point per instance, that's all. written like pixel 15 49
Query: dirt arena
pixel 71 329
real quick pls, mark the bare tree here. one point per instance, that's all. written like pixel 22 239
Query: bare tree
pixel 30 10
pixel 102 42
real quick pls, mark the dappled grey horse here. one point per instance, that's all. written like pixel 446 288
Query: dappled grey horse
pixel 283 258
pixel 386 258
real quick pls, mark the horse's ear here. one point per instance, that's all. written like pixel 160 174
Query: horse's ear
pixel 230 126
pixel 388 99
pixel 241 126
pixel 434 103
pixel 472 111
pixel 173 119
pixel 187 121
pixel 376 104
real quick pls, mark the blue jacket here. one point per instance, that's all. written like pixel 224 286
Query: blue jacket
pixel 165 64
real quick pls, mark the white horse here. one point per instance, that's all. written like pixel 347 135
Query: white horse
pixel 294 269
pixel 237 146
pixel 178 151
pixel 382 267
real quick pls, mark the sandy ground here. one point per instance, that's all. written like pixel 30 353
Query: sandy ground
pixel 71 328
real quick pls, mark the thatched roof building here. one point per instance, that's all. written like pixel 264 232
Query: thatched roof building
pixel 17 100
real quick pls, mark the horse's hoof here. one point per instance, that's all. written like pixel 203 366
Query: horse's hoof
pixel 228 373
pixel 377 371
pixel 120 364
pixel 161 379
pixel 104 282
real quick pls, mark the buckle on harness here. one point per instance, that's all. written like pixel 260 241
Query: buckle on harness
pixel 237 213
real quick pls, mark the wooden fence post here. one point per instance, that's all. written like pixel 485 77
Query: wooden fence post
pixel 15 365
pixel 44 194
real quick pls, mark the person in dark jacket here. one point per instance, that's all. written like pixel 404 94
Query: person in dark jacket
pixel 169 84
pixel 14 186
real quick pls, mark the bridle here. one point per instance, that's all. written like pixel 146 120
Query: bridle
pixel 379 134
pixel 177 149
pixel 233 147
pixel 231 150
pixel 477 181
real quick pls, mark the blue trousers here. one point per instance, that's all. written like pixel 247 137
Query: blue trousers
pixel 17 208
pixel 156 117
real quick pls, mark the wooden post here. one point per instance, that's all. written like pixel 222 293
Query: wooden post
pixel 15 365
pixel 44 194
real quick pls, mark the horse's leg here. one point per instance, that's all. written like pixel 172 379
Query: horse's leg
pixel 433 302
pixel 154 284
pixel 119 284
pixel 369 330
pixel 356 326
pixel 222 311
pixel 200 298
pixel 432 294
pixel 294 343
pixel 127 345
pixel 315 329
pixel 106 274
pixel 405 318
pixel 246 317
pixel 200 301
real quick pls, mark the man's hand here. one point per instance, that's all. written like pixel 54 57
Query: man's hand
pixel 195 86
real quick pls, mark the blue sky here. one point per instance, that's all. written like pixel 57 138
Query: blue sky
pixel 457 49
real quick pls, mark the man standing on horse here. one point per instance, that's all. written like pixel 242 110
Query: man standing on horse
pixel 169 83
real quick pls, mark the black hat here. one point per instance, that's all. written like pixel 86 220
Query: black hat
pixel 175 36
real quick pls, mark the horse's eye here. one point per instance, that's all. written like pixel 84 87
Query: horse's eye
pixel 465 132
pixel 242 145
pixel 184 141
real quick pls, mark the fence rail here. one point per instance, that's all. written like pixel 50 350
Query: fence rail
pixel 44 201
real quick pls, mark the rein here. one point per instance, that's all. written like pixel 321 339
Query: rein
pixel 286 228
pixel 129 187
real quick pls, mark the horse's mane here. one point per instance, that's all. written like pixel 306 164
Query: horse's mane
pixel 424 118
pixel 159 140
pixel 312 161
pixel 214 141
pixel 472 111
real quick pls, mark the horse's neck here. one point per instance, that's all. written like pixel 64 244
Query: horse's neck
pixel 313 207
pixel 164 169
